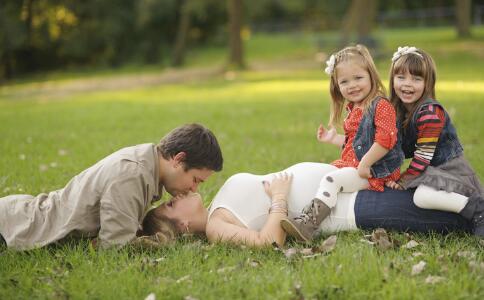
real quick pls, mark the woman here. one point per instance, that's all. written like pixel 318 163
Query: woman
pixel 248 209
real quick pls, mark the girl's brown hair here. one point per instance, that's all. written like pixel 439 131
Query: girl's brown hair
pixel 360 55
pixel 418 65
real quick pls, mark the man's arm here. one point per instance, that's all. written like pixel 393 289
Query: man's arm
pixel 122 205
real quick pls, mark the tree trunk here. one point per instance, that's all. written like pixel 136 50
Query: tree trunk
pixel 236 53
pixel 182 33
pixel 463 17
pixel 359 18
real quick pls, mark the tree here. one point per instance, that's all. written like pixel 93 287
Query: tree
pixel 463 17
pixel 359 17
pixel 182 33
pixel 236 53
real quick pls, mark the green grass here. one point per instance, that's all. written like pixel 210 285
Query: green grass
pixel 265 121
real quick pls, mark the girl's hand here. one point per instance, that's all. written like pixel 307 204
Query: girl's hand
pixel 325 136
pixel 364 171
pixel 279 188
pixel 392 184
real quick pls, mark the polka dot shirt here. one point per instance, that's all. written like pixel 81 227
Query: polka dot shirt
pixel 385 135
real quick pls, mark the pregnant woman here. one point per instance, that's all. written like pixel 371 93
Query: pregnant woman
pixel 248 208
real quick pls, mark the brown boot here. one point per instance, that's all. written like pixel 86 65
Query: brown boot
pixel 303 227
pixel 474 212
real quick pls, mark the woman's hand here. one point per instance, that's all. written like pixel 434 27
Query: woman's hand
pixel 279 188
pixel 326 136
pixel 364 171
pixel 392 184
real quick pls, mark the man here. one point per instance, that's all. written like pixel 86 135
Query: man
pixel 110 199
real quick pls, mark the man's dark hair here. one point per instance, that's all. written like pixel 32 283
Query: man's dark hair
pixel 199 143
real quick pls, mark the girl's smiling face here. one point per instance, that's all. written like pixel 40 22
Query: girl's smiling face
pixel 409 88
pixel 353 81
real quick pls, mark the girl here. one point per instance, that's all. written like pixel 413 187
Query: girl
pixel 369 156
pixel 438 169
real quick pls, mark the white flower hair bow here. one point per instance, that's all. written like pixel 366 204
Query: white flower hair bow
pixel 404 51
pixel 330 65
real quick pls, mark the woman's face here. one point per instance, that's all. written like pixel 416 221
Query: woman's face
pixel 183 209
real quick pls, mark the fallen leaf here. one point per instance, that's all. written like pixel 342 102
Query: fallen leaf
pixel 433 279
pixel 418 268
pixel 307 251
pixel 184 278
pixel 367 242
pixel 289 253
pixel 475 266
pixel 411 244
pixel 298 291
pixel 226 269
pixel 466 254
pixel 254 263
pixel 327 245
pixel 381 239
pixel 151 296
pixel 417 254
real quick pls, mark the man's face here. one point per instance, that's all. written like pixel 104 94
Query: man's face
pixel 178 181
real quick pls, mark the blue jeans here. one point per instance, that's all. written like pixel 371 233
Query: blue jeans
pixel 394 209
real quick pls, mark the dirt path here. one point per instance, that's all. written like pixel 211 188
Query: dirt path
pixel 57 89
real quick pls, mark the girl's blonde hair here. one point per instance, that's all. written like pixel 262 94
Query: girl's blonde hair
pixel 153 224
pixel 418 64
pixel 360 55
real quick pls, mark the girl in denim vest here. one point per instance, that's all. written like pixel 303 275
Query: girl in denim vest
pixel 443 177
pixel 369 157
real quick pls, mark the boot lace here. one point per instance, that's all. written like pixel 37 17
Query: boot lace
pixel 308 213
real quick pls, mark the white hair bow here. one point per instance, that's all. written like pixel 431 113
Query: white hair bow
pixel 330 65
pixel 404 51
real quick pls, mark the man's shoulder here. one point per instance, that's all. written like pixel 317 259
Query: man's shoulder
pixel 138 160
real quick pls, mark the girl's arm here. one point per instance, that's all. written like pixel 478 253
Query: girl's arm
pixel 218 229
pixel 330 136
pixel 430 122
pixel 373 155
pixel 385 137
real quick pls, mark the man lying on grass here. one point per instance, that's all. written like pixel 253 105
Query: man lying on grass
pixel 248 209
pixel 110 199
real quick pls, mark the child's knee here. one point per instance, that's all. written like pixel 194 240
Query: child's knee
pixel 423 197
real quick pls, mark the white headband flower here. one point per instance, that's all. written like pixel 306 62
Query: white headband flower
pixel 330 65
pixel 404 51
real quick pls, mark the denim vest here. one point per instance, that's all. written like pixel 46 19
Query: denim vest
pixel 365 137
pixel 448 146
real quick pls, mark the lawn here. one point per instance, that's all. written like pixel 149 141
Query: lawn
pixel 265 119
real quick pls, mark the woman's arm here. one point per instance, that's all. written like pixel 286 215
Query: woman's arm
pixel 218 229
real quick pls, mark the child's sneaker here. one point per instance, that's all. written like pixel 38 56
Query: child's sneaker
pixel 305 225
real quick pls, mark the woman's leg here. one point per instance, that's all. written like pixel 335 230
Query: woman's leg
pixel 430 198
pixel 342 180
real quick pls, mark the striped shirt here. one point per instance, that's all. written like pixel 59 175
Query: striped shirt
pixel 430 122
